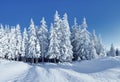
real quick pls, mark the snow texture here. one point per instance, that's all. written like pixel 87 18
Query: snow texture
pixel 96 70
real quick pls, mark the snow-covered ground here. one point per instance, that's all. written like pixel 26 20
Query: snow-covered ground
pixel 98 70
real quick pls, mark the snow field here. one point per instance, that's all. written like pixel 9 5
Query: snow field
pixel 97 70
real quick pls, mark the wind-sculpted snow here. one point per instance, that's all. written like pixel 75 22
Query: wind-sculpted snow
pixel 98 70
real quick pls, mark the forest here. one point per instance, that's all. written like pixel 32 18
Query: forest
pixel 62 43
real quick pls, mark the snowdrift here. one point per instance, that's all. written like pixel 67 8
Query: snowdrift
pixel 97 70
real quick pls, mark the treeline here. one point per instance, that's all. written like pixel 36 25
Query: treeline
pixel 37 44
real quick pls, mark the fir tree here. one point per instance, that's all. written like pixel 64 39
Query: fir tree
pixel 65 44
pixel 18 38
pixel 53 50
pixel 24 45
pixel 85 47
pixel 112 51
pixel 74 37
pixel 42 35
pixel 1 40
pixel 13 42
pixel 32 42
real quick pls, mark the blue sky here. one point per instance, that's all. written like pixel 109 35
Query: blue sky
pixel 102 15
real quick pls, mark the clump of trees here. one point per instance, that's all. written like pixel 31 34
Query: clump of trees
pixel 37 44
pixel 113 52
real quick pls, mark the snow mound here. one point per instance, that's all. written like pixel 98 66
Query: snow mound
pixel 97 70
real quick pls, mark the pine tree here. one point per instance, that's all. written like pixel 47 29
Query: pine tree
pixel 18 38
pixel 100 48
pixel 6 44
pixel 74 37
pixel 117 52
pixel 65 44
pixel 112 51
pixel 32 43
pixel 13 42
pixel 1 40
pixel 24 45
pixel 91 51
pixel 85 47
pixel 53 50
pixel 98 45
pixel 42 35
pixel 58 31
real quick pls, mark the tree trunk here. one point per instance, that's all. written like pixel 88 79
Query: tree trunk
pixel 23 59
pixel 36 60
pixel 32 60
pixel 42 59
pixel 54 60
pixel 17 58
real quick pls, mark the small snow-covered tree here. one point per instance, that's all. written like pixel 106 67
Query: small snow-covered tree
pixel 32 43
pixel 112 51
pixel 117 52
pixel 24 45
pixel 74 37
pixel 91 52
pixel 53 50
pixel 42 35
pixel 65 44
pixel 100 48
pixel 18 38
pixel 13 42
pixel 1 41
pixel 98 45
pixel 6 45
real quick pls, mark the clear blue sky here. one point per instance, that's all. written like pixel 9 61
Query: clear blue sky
pixel 102 15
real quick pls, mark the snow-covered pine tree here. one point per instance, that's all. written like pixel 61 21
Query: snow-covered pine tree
pixel 42 35
pixel 13 42
pixel 1 40
pixel 58 29
pixel 85 47
pixel 53 50
pixel 117 52
pixel 75 31
pixel 32 43
pixel 98 45
pixel 91 51
pixel 100 48
pixel 112 51
pixel 6 44
pixel 18 38
pixel 65 44
pixel 24 45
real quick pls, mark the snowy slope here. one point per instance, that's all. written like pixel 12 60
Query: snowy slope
pixel 98 70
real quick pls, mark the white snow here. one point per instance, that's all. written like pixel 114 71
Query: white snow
pixel 97 70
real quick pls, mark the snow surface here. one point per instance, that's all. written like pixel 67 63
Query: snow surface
pixel 97 70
